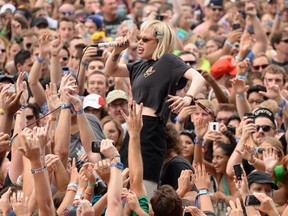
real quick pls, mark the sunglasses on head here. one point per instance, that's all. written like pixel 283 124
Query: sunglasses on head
pixel 191 63
pixel 260 150
pixel 257 67
pixel 216 8
pixel 145 39
pixel 265 128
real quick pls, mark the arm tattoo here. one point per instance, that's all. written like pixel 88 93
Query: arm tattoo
pixel 116 57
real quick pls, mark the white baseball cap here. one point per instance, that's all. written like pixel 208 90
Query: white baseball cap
pixel 7 7
pixel 94 101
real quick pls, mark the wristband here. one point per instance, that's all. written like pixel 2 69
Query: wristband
pixel 240 77
pixel 181 122
pixel 125 56
pixel 241 96
pixel 79 112
pixel 198 141
pixel 92 185
pixel 85 65
pixel 201 192
pixel 89 194
pixel 25 106
pixel 39 59
pixel 78 196
pixel 2 111
pixel 282 104
pixel 85 36
pixel 228 43
pixel 238 58
pixel 118 165
pixel 73 185
pixel 66 106
pixel 115 157
pixel 34 171
pixel 249 29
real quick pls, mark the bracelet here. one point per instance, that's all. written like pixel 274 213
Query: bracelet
pixel 228 43
pixel 71 189
pixel 78 196
pixel 25 106
pixel 89 194
pixel 40 59
pixel 85 36
pixel 79 112
pixel 115 157
pixel 249 29
pixel 118 165
pixel 239 58
pixel 282 104
pixel 254 162
pixel 204 189
pixel 73 185
pixel 125 56
pixel 92 185
pixel 85 65
pixel 198 141
pixel 65 106
pixel 241 96
pixel 181 122
pixel 2 111
pixel 34 171
pixel 240 77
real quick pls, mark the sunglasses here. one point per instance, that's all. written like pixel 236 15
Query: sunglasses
pixel 28 45
pixel 257 67
pixel 260 150
pixel 145 39
pixel 219 9
pixel 231 129
pixel 30 117
pixel 285 41
pixel 191 63
pixel 64 58
pixel 70 13
pixel 265 128
pixel 3 50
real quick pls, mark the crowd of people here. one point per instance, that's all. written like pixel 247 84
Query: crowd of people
pixel 143 107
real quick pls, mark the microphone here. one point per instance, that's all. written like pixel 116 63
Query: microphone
pixel 109 44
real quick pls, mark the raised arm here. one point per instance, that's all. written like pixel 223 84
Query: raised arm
pixel 35 73
pixel 56 71
pixel 112 67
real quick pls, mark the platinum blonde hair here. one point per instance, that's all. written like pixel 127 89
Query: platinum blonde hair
pixel 165 35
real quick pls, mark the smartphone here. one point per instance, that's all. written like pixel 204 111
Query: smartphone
pixel 214 126
pixel 238 171
pixel 236 26
pixel 96 146
pixel 99 53
pixel 286 3
pixel 250 116
pixel 251 200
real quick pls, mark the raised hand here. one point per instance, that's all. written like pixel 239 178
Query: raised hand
pixel 273 92
pixel 102 168
pixel 42 134
pixel 4 94
pixel 194 211
pixel 242 185
pixel 201 177
pixel 52 98
pixel 234 36
pixel 185 182
pixel 12 103
pixel 178 103
pixel 134 120
pixel 21 85
pixel 235 210
pixel 5 205
pixel 51 161
pixel 243 66
pixel 270 159
pixel 85 208
pixel 31 149
pixel 4 142
pixel 19 203
pixel 56 45
pixel 44 44
pixel 108 149
pixel 239 85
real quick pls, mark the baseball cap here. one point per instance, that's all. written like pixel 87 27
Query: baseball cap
pixel 225 65
pixel 261 178
pixel 116 94
pixel 6 77
pixel 94 101
pixel 96 19
pixel 213 3
pixel 264 112
pixel 6 8
pixel 40 21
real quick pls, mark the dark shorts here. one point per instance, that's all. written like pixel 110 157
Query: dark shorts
pixel 153 147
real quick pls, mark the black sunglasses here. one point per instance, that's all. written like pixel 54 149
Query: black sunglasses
pixel 257 67
pixel 219 9
pixel 64 58
pixel 145 39
pixel 29 117
pixel 285 41
pixel 191 63
pixel 265 128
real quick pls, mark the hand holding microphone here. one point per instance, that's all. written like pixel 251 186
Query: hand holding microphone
pixel 120 44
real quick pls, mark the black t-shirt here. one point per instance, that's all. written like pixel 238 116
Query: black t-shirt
pixel 152 81
pixel 111 28
pixel 171 171
pixel 283 65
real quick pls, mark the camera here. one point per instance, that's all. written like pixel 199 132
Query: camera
pixel 250 116
pixel 214 126
pixel 95 146
pixel 251 200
